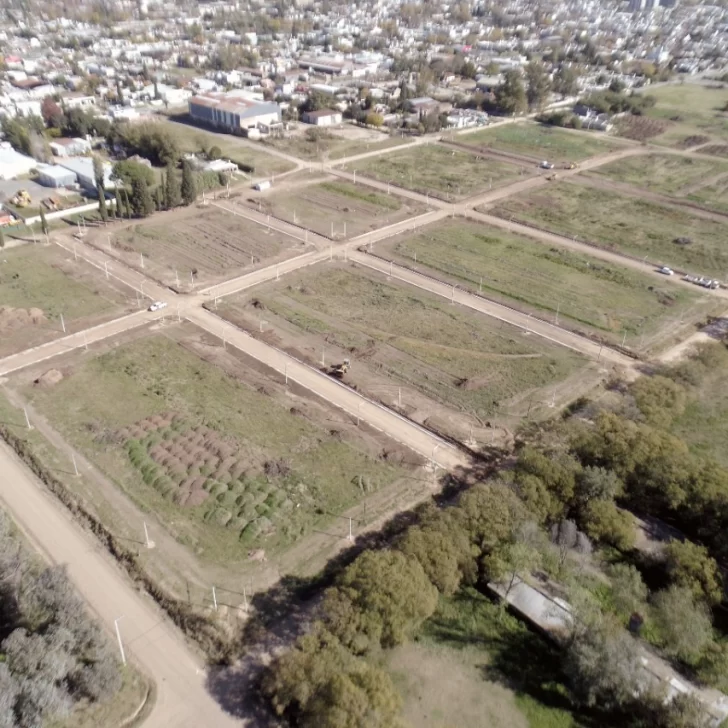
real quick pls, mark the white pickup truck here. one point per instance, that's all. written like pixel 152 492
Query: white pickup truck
pixel 157 305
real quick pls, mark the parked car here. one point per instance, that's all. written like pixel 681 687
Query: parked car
pixel 157 305
pixel 546 165
pixel 666 271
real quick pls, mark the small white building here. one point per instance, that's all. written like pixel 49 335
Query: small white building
pixel 53 175
pixel 13 164
pixel 69 147
pixel 322 117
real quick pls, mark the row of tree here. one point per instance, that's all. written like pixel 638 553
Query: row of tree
pixel 52 655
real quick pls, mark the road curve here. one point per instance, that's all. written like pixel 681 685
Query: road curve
pixel 148 637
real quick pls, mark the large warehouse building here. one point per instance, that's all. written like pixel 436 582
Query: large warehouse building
pixel 232 112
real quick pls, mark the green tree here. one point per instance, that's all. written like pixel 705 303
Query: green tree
pixel 214 153
pixel 594 483
pixel 510 96
pixel 119 204
pixel 172 195
pixel 510 562
pixel 538 85
pixel 127 170
pixel 98 173
pixel 566 80
pixel 659 399
pixel 684 623
pixel 142 203
pixel 603 521
pixel 690 566
pixel 2 238
pixel 373 119
pixel 379 599
pixel 189 189
pixel 629 592
pixel 103 212
pixel 43 221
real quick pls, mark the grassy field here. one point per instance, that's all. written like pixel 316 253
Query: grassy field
pixel 338 206
pixel 687 177
pixel 330 145
pixel 539 142
pixel 689 110
pixel 227 465
pixel 624 224
pixel 592 294
pixel 195 139
pixel 40 283
pixel 213 244
pixel 476 666
pixel 406 337
pixel 438 171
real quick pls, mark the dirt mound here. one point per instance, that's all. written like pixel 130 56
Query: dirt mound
pixel 692 141
pixel 473 383
pixel 17 318
pixel 49 378
pixel 720 150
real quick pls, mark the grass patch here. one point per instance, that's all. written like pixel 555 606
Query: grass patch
pixel 330 145
pixel 591 293
pixel 448 353
pixel 438 171
pixel 470 629
pixel 671 175
pixel 617 222
pixel 363 194
pixel 540 142
pixel 689 110
pixel 269 475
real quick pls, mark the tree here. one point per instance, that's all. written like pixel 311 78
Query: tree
pixel 629 592
pixel 373 119
pixel 690 566
pixel 565 535
pixel 159 197
pixel 43 221
pixel 118 204
pixel 684 623
pixel 127 205
pixel 566 80
pixel 509 562
pixel 379 599
pixel 38 147
pixel 172 196
pixel 214 153
pixel 103 211
pixel 510 96
pixel 595 483
pixel 127 170
pixel 52 113
pixel 603 521
pixel 538 85
pixel 98 172
pixel 2 238
pixel 659 399
pixel 189 191
pixel 142 203
pixel 602 665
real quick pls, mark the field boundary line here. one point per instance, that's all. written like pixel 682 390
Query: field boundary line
pixel 439 440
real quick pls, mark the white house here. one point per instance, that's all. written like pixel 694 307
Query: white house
pixel 13 164
pixel 233 112
pixel 323 117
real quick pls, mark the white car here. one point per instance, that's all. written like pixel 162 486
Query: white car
pixel 666 271
pixel 157 305
pixel 546 165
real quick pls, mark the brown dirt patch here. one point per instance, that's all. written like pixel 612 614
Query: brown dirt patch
pixel 640 128
pixel 12 319
pixel 51 377
pixel 719 150
pixel 694 140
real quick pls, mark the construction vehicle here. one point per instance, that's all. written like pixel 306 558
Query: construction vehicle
pixel 571 165
pixel 551 177
pixel 21 199
pixel 338 370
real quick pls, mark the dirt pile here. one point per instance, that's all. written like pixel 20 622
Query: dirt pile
pixel 49 378
pixel 12 319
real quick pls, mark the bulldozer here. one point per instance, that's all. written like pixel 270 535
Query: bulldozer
pixel 338 370
pixel 571 165
pixel 21 199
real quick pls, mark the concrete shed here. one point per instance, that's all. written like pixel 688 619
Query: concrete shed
pixel 53 175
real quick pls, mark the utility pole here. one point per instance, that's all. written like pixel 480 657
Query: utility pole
pixel 118 637
pixel 214 598
pixel 75 467
pixel 106 269
pixel 285 372
pixel 351 533
pixel 27 419
pixel 141 259
pixel 558 308
pixel 63 324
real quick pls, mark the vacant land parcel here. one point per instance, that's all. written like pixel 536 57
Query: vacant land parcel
pixel 661 234
pixel 539 142
pixel 438 171
pixel 692 113
pixel 618 303
pixel 694 179
pixel 337 208
pixel 437 361
pixel 228 459
pixel 203 246
pixel 39 284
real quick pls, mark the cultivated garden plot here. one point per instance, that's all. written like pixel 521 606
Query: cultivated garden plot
pixel 539 142
pixel 660 234
pixel 557 284
pixel 438 171
pixel 693 179
pixel 229 460
pixel 443 365
pixel 39 284
pixel 204 246
pixel 337 208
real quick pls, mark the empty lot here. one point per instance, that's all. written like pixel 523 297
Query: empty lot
pixel 41 283
pixel 438 171
pixel 443 365
pixel 204 245
pixel 336 208
pixel 661 234
pixel 586 293
pixel 540 142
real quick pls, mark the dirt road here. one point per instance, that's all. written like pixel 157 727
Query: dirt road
pixel 148 638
